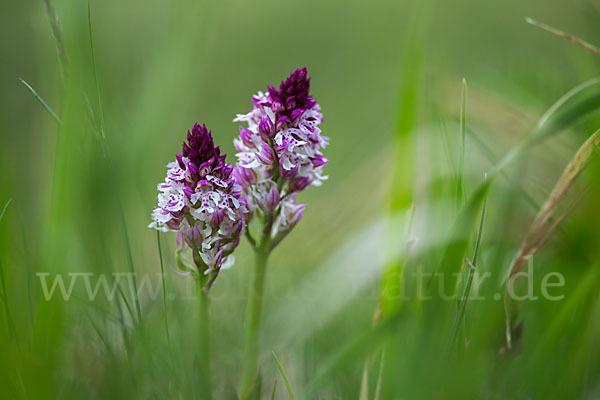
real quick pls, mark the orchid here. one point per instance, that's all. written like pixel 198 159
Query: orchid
pixel 279 152
pixel 200 200
pixel 279 155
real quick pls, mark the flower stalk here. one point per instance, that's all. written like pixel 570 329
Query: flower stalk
pixel 201 201
pixel 253 317
pixel 203 351
pixel 279 154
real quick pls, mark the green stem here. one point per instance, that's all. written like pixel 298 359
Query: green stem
pixel 204 341
pixel 253 314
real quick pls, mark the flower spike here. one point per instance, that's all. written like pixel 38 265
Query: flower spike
pixel 201 201
pixel 279 152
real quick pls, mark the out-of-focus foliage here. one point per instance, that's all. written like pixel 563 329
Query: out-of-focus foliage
pixel 79 197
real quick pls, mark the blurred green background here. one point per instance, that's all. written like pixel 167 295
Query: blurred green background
pixel 77 199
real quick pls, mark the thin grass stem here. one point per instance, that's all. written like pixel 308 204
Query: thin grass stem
pixel 42 102
pixel 57 35
pixel 136 299
pixel 100 110
pixel 472 265
pixel 284 376
pixel 564 35
pixel 164 286
pixel 461 152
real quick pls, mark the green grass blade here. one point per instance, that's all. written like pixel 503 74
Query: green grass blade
pixel 586 287
pixel 2 281
pixel 488 153
pixel 472 265
pixel 461 153
pixel 565 98
pixel 575 107
pixel 284 376
pixel 164 285
pixel 446 148
pixel 42 102
pixel 349 353
pixel 4 298
pixel 131 267
pixel 57 35
pixel 4 209
pixel 274 389
pixel 100 110
pixel 125 301
pixel 379 382
pixel 458 241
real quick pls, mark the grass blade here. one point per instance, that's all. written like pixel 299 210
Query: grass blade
pixel 569 111
pixel 564 35
pixel 4 209
pixel 131 267
pixel 379 378
pixel 42 102
pixel 284 376
pixel 458 241
pixel 347 354
pixel 4 295
pixel 472 265
pixel 164 285
pixel 488 153
pixel 540 227
pixel 57 35
pixel 461 153
pixel 2 283
pixel 586 286
pixel 274 389
pixel 565 98
pixel 100 110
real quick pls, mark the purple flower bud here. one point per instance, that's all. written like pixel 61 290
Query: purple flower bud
pixel 266 154
pixel 318 160
pixel 300 183
pixel 267 196
pixel 282 120
pixel 244 176
pixel 216 218
pixel 246 136
pixel 193 237
pixel 179 158
pixel 193 171
pixel 296 113
pixel 293 93
pixel 188 191
pixel 265 128
pixel 185 149
pixel 297 214
pixel 288 174
pixel 272 199
pixel 218 259
pixel 174 223
pixel 277 107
